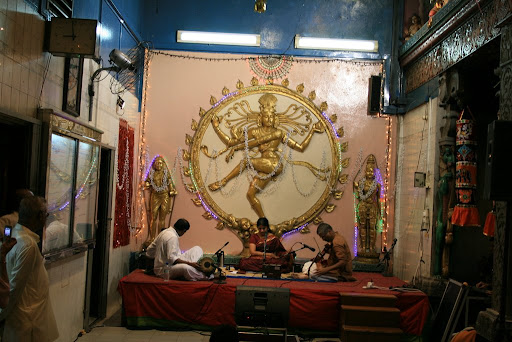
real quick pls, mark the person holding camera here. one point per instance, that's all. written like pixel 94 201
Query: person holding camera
pixel 29 313
pixel 12 218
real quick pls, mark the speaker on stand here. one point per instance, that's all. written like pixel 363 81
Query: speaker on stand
pixel 374 87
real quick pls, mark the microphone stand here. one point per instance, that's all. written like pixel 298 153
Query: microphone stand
pixel 265 248
pixel 386 259
pixel 219 252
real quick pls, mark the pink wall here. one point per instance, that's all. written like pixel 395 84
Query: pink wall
pixel 178 87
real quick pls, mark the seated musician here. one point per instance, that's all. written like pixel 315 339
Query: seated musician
pixel 271 253
pixel 166 248
pixel 338 265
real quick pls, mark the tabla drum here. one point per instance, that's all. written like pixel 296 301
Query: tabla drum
pixel 207 265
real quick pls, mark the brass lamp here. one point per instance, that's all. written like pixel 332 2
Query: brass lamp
pixel 260 6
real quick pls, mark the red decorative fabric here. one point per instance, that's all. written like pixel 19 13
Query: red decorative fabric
pixel 313 305
pixel 465 216
pixel 124 185
pixel 490 224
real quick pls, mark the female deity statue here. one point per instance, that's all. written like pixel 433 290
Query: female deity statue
pixel 162 190
pixel 367 191
pixel 266 137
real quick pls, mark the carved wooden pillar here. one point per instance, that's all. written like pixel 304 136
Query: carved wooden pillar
pixel 449 95
pixel 495 324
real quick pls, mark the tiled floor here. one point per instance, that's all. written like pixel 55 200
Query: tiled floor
pixel 120 334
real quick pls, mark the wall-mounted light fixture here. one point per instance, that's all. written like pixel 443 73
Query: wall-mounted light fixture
pixel 260 6
pixel 120 102
pixel 336 44
pixel 220 38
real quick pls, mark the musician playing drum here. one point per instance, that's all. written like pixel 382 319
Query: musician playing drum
pixel 338 265
pixel 166 249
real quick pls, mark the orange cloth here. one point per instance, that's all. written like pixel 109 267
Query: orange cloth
pixel 490 224
pixel 465 336
pixel 465 216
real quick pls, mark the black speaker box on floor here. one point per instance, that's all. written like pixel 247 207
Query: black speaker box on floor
pixel 374 95
pixel 498 161
pixel 262 306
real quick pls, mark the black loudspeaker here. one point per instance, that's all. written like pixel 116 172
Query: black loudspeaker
pixel 374 95
pixel 498 162
pixel 262 306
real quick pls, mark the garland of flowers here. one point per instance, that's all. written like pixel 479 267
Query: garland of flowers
pixel 315 184
pixel 126 167
pixel 251 167
pixel 165 181
pixel 364 196
pixel 235 185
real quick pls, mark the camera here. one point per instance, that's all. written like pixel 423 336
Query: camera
pixel 7 231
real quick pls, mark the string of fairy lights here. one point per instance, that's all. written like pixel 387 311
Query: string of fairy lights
pixel 145 165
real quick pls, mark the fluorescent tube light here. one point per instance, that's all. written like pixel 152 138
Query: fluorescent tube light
pixel 336 44
pixel 198 37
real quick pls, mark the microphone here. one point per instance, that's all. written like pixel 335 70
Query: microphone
pixel 220 249
pixel 310 248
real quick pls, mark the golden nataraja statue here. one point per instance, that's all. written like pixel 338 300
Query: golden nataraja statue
pixel 266 137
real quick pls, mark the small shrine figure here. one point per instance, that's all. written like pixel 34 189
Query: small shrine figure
pixel 367 191
pixel 414 27
pixel 162 189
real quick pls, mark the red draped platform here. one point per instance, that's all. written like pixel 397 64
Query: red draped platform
pixel 149 302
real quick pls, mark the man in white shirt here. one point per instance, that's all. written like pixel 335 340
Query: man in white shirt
pixel 29 313
pixel 166 248
pixel 12 218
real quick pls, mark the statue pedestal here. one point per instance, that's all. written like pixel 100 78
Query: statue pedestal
pixel 367 262
pixel 367 257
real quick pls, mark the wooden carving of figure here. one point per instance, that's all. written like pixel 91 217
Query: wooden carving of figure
pixel 414 27
pixel 367 191
pixel 445 200
pixel 162 190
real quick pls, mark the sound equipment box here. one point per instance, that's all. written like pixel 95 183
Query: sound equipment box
pixel 374 95
pixel 262 306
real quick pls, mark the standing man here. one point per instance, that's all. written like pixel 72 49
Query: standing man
pixel 12 218
pixel 166 249
pixel 338 265
pixel 29 314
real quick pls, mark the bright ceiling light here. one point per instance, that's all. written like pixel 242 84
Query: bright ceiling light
pixel 336 44
pixel 218 38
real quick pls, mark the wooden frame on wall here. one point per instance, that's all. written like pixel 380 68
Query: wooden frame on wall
pixel 73 71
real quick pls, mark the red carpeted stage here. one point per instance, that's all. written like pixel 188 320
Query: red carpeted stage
pixel 149 302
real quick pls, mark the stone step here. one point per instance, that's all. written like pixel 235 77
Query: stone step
pixel 351 333
pixel 370 316
pixel 368 299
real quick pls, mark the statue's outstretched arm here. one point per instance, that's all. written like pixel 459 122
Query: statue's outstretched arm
pixel 317 127
pixel 226 139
